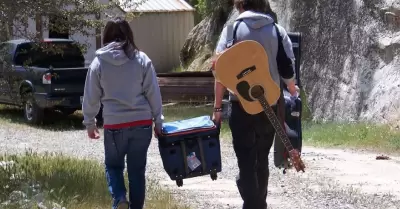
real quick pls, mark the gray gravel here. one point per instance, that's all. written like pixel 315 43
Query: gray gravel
pixel 317 188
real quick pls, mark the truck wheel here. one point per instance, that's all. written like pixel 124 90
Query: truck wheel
pixel 32 112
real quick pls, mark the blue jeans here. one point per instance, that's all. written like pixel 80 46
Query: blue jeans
pixel 134 143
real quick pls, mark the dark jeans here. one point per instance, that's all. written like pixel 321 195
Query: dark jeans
pixel 134 143
pixel 253 136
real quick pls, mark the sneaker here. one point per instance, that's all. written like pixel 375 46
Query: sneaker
pixel 123 204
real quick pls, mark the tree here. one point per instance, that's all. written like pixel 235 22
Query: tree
pixel 74 16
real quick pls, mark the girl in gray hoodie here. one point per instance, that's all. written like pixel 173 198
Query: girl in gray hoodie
pixel 123 79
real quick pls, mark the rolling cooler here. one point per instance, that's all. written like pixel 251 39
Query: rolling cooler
pixel 190 148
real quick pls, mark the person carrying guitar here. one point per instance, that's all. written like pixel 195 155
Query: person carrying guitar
pixel 253 135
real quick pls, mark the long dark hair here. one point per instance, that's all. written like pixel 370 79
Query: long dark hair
pixel 118 30
pixel 261 6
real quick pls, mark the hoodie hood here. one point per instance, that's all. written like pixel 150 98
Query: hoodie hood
pixel 113 53
pixel 255 20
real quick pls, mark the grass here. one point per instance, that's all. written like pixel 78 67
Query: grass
pixel 69 182
pixel 353 135
pixel 341 135
pixel 177 70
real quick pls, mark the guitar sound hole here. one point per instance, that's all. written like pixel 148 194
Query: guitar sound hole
pixel 257 91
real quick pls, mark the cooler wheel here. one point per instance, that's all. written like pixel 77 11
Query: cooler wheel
pixel 214 176
pixel 179 182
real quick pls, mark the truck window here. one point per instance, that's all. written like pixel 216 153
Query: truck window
pixel 46 54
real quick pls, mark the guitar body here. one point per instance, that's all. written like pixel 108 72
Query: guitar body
pixel 242 67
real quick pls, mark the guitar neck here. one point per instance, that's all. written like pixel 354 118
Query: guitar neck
pixel 275 122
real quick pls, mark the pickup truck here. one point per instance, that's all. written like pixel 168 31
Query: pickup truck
pixel 42 75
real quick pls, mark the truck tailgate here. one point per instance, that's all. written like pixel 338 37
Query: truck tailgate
pixel 68 81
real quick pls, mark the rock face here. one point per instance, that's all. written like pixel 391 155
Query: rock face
pixel 200 44
pixel 201 41
pixel 350 56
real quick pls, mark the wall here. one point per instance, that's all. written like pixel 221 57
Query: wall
pixel 162 35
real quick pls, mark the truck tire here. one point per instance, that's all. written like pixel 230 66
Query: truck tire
pixel 33 114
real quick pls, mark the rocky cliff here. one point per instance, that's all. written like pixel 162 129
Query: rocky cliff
pixel 350 55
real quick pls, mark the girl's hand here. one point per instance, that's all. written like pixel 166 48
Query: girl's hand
pixel 93 133
pixel 158 130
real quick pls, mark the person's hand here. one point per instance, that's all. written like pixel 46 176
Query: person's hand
pixel 217 117
pixel 214 58
pixel 157 130
pixel 93 133
pixel 212 66
pixel 293 89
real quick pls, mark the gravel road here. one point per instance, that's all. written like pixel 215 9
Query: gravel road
pixel 334 178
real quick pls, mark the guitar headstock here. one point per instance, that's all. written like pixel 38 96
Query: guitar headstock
pixel 296 160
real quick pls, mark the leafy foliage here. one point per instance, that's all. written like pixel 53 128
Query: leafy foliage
pixel 206 7
pixel 78 16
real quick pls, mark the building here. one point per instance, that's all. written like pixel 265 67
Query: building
pixel 160 29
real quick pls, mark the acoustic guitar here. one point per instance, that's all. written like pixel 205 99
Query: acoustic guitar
pixel 243 69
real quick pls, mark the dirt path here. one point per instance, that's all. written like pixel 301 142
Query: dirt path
pixel 331 179
pixel 360 170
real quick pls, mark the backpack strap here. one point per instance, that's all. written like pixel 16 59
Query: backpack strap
pixel 231 36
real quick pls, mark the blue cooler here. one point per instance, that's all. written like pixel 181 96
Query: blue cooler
pixel 190 148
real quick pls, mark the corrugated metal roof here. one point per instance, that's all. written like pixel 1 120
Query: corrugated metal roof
pixel 156 6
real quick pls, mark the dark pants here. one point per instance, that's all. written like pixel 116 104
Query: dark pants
pixel 253 136
pixel 133 143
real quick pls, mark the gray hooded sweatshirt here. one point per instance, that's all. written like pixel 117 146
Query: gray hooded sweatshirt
pixel 127 88
pixel 260 27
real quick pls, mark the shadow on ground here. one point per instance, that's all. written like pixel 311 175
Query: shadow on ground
pixel 53 120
